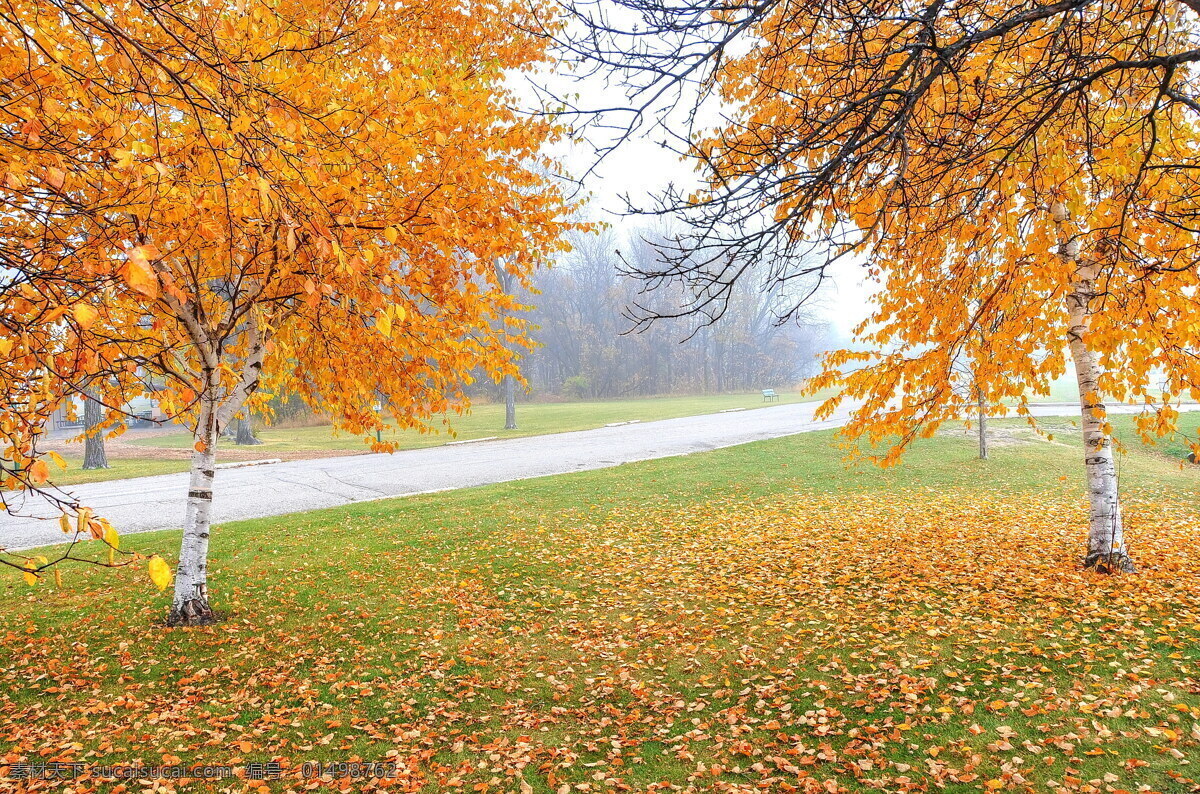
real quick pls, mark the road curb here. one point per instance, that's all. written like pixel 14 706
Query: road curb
pixel 241 464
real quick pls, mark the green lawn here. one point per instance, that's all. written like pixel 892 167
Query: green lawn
pixel 118 469
pixel 752 619
pixel 487 419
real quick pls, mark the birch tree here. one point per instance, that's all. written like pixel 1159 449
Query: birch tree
pixel 290 197
pixel 930 141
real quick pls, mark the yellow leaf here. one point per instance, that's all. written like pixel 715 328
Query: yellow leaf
pixel 123 157
pixel 64 521
pixel 58 459
pixel 110 536
pixel 82 518
pixel 391 234
pixel 160 572
pixel 57 577
pixel 384 323
pixel 440 138
pixel 84 315
pixel 264 195
pixel 31 579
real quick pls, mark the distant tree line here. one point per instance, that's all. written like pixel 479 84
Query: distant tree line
pixel 587 348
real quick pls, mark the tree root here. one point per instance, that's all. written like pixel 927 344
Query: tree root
pixel 1109 562
pixel 194 612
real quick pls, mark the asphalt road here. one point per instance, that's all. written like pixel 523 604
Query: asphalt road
pixel 148 503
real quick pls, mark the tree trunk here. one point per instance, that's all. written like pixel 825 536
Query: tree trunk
pixel 190 607
pixel 94 456
pixel 983 445
pixel 1106 534
pixel 245 434
pixel 510 403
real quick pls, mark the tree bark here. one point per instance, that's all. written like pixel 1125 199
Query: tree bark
pixel 510 402
pixel 983 442
pixel 217 408
pixel 245 433
pixel 1106 550
pixel 1106 533
pixel 508 384
pixel 94 455
pixel 190 606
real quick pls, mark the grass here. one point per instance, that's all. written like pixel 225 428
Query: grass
pixel 118 469
pixel 484 420
pixel 751 619
pixel 487 419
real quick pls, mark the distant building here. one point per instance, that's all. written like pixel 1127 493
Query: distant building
pixel 143 411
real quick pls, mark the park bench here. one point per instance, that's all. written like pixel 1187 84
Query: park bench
pixel 769 395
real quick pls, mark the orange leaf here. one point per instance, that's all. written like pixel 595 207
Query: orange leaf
pixel 138 273
pixel 39 472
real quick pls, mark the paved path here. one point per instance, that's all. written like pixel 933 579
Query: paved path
pixel 146 503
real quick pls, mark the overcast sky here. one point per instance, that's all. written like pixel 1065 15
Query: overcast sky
pixel 641 169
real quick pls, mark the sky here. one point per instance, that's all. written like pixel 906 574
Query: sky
pixel 640 169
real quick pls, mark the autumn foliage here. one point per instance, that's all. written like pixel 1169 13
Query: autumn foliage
pixel 334 173
pixel 222 203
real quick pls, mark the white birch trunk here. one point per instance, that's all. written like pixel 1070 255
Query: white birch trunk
pixel 217 409
pixel 508 384
pixel 190 606
pixel 1106 533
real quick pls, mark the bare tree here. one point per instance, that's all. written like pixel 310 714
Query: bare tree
pixel 588 345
